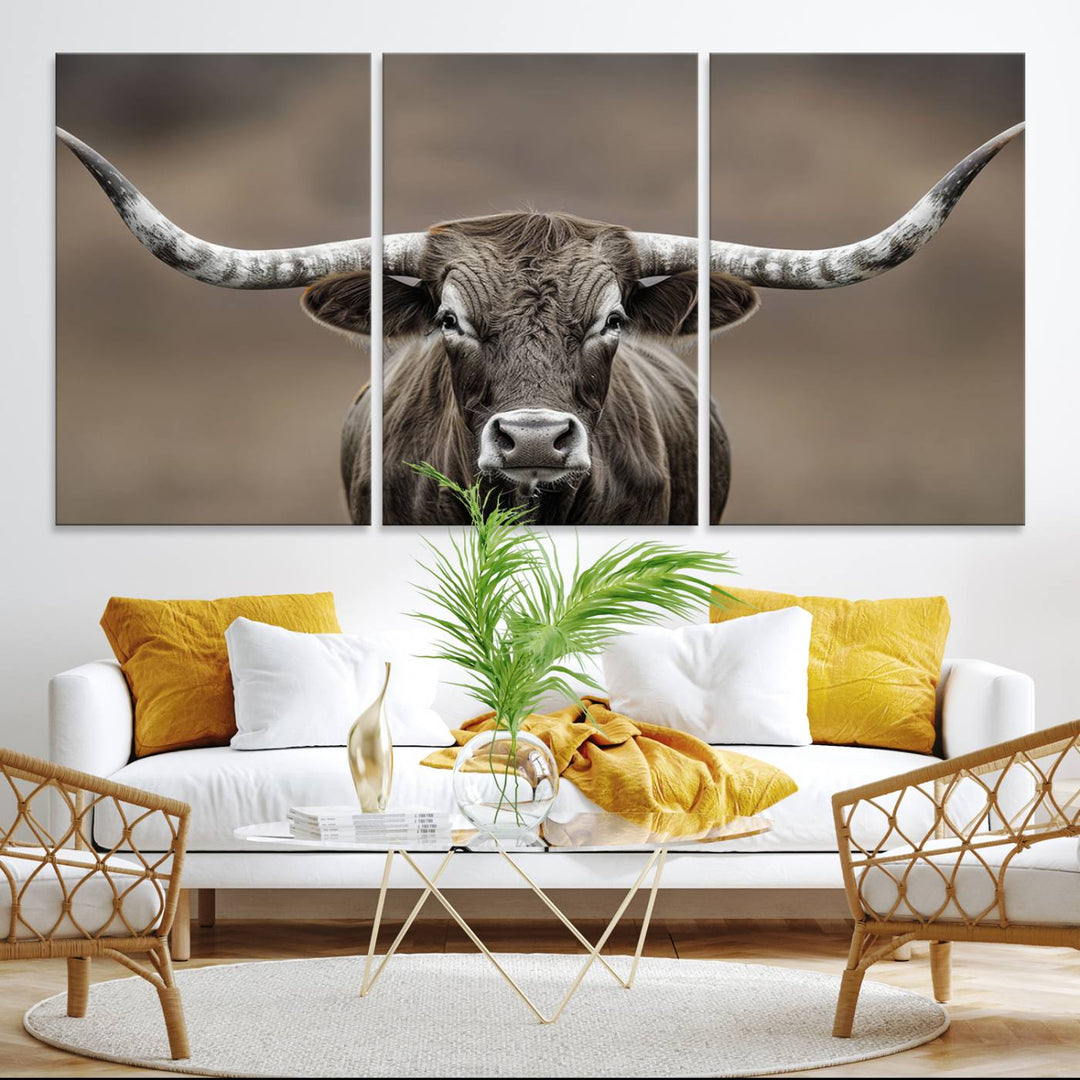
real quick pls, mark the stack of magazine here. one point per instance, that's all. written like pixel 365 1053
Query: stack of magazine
pixel 409 827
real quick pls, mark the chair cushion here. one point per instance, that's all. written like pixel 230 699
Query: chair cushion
pixel 227 788
pixel 92 912
pixel 1041 885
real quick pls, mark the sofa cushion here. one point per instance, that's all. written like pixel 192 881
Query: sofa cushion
pixel 298 689
pixel 174 658
pixel 1041 884
pixel 874 664
pixel 743 681
pixel 92 911
pixel 804 821
pixel 227 788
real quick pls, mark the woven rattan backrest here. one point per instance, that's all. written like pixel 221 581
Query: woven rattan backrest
pixel 41 848
pixel 974 813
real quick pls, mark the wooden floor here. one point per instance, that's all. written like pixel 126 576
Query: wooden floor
pixel 1015 1009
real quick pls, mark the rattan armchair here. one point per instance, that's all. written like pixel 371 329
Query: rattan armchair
pixel 977 848
pixel 61 898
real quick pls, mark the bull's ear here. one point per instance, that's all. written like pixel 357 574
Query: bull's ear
pixel 668 308
pixel 731 302
pixel 407 309
pixel 341 302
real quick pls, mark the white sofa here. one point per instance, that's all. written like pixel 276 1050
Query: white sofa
pixel 91 729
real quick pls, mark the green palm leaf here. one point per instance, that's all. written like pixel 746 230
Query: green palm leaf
pixel 514 622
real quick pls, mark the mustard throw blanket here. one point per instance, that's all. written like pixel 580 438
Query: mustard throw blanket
pixel 635 769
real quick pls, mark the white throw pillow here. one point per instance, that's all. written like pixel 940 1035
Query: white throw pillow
pixel 296 689
pixel 742 681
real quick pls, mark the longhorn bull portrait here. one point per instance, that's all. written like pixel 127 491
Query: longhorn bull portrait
pixel 536 350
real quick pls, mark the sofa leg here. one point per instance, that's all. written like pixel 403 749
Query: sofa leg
pixel 941 969
pixel 180 939
pixel 850 985
pixel 207 907
pixel 78 972
pixel 902 952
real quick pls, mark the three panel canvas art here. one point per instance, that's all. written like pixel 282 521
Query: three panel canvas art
pixel 539 289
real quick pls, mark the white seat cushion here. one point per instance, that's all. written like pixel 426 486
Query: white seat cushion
pixel 227 788
pixel 804 821
pixel 92 907
pixel 1041 885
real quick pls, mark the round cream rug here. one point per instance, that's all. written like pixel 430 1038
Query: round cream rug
pixel 452 1015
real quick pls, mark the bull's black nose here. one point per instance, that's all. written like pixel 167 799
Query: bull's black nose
pixel 534 439
pixel 528 441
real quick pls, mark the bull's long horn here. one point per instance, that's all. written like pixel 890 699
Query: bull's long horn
pixel 826 268
pixel 237 268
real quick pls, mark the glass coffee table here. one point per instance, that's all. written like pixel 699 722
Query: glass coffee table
pixel 653 835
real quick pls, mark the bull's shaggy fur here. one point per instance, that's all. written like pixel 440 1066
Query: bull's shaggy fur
pixel 531 284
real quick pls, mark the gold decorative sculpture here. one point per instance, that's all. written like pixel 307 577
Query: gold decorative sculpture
pixel 371 754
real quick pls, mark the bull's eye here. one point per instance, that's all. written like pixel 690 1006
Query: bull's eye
pixel 447 320
pixel 614 323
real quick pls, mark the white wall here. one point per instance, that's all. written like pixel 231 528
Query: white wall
pixel 1013 591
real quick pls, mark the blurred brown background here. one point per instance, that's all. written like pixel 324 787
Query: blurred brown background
pixel 900 399
pixel 613 138
pixel 179 402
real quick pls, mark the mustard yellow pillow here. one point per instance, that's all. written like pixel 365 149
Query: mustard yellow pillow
pixel 174 657
pixel 874 665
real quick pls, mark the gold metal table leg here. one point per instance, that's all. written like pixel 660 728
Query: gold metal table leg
pixel 552 907
pixel 606 934
pixel 368 984
pixel 452 911
pixel 655 860
pixel 648 917
pixel 365 985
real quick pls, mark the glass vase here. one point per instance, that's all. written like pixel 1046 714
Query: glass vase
pixel 505 784
pixel 371 754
